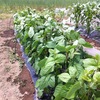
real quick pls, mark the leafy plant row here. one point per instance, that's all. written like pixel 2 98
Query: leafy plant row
pixel 87 15
pixel 64 70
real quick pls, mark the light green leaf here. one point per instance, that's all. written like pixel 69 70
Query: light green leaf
pixel 31 32
pixel 81 41
pixel 72 71
pixel 60 58
pixel 65 77
pixel 86 75
pixel 75 42
pixel 96 77
pixel 89 68
pixel 97 57
pixel 89 62
pixel 39 92
pixel 51 44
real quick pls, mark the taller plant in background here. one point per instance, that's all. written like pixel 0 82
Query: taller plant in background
pixel 89 12
pixel 84 15
pixel 77 9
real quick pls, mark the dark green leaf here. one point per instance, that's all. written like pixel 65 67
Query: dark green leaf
pixel 42 62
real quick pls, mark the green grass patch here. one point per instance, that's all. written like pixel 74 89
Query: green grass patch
pixel 14 5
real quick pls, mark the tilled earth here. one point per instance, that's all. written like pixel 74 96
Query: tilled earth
pixel 15 80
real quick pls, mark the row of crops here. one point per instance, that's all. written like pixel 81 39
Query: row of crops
pixel 87 15
pixel 56 53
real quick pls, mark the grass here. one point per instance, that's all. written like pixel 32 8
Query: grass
pixel 5 16
pixel 14 5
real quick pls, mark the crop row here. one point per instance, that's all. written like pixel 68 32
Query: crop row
pixel 56 53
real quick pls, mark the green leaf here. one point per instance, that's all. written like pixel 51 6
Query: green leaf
pixel 27 49
pixel 40 83
pixel 36 67
pixel 52 81
pixel 59 39
pixel 72 71
pixel 89 62
pixel 51 44
pixel 89 68
pixel 53 52
pixel 31 32
pixel 58 89
pixel 45 81
pixel 87 74
pixel 60 92
pixel 87 45
pixel 47 69
pixel 58 97
pixel 73 90
pixel 40 49
pixel 39 92
pixel 96 77
pixel 49 66
pixel 81 41
pixel 61 48
pixel 84 43
pixel 42 62
pixel 74 35
pixel 34 45
pixel 60 58
pixel 75 42
pixel 68 48
pixel 97 57
pixel 25 36
pixel 65 77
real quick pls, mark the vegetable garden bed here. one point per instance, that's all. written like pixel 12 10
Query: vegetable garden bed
pixel 56 53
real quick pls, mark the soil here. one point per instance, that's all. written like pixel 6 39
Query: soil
pixel 94 43
pixel 15 79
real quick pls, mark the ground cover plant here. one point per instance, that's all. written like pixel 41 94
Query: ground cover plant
pixel 64 70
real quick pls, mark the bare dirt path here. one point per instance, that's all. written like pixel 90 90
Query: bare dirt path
pixel 15 80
